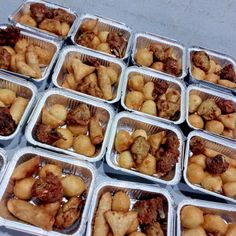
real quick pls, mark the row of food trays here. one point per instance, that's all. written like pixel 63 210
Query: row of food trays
pixel 78 119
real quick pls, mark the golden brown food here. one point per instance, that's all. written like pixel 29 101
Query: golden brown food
pixel 194 102
pixel 229 189
pixel 229 175
pixel 95 131
pixel 7 124
pixel 126 160
pixel 148 165
pixel 82 145
pixel 229 120
pixel 120 202
pixel 55 169
pixel 134 100
pixel 199 159
pixel 144 57
pixel 148 91
pixel 133 226
pixel 136 82
pixel 7 96
pixel 196 231
pixel 198 73
pixel 66 138
pixel 214 126
pixel 231 230
pixel 212 183
pixel 137 234
pixel 149 107
pixel 213 78
pixel 201 60
pixel 78 129
pixel 196 121
pixel 51 208
pixel 123 141
pixel 139 132
pixel 28 20
pixel 154 229
pixel 195 173
pixel 73 185
pixel 17 108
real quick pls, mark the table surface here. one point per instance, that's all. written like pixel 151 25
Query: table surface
pixel 209 24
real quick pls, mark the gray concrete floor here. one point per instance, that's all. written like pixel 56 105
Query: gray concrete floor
pixel 208 23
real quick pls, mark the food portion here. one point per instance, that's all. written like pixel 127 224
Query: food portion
pixel 91 35
pixel 115 215
pixel 76 129
pixel 21 55
pixel 40 195
pixel 151 154
pixel 211 169
pixel 91 77
pixel 206 68
pixel 213 115
pixel 12 108
pixel 202 222
pixel 53 20
pixel 160 57
pixel 157 98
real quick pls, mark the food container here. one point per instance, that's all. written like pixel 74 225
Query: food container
pixel 218 144
pixel 131 122
pixel 45 43
pixel 135 192
pixel 142 40
pixel 22 88
pixel 218 57
pixel 206 93
pixel 56 96
pixel 71 51
pixel 105 24
pixel 226 211
pixel 15 17
pixel 3 162
pixel 85 170
pixel 151 76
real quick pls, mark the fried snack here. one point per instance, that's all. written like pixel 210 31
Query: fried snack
pixel 214 126
pixel 136 82
pixel 155 140
pixel 144 57
pixel 7 96
pixel 154 229
pixel 120 202
pixel 28 20
pixel 148 90
pixel 191 217
pixel 229 189
pixel 196 231
pixel 149 107
pixel 126 160
pixel 229 120
pixel 194 102
pixel 31 214
pixel 231 230
pixel 95 131
pixel 212 183
pixel 112 75
pixel 10 50
pixel 55 169
pixel 123 141
pixel 133 226
pixel 195 173
pixel 32 60
pixel 78 129
pixel 69 82
pixel 51 25
pixel 14 58
pixel 137 234
pixel 73 185
pixel 49 119
pixel 66 138
pixel 58 111
pixel 198 73
pixel 102 35
pixel 51 208
pixel 134 100
pixel 5 59
pixel 104 82
pixel 22 188
pixel 25 69
pixel 199 159
pixel 119 221
pixel 21 45
pixel 101 227
pixel 196 121
pixel 201 60
pixel 26 169
pixel 17 108
pixel 7 124
pixel 148 166
pixel 82 145
pixel 65 28
pixel 139 132
pixel 44 55
pixel 229 175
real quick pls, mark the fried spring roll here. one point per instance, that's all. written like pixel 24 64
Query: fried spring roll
pixel 95 130
pixel 17 108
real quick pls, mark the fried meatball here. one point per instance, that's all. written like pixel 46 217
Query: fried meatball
pixel 172 67
pixel 209 110
pixel 201 60
pixel 86 39
pixel 197 145
pixel 46 134
pixel 5 59
pixel 228 73
pixel 48 189
pixel 226 106
pixel 158 52
pixel 79 116
pixel 216 165
pixel 140 149
pixel 62 16
pixel 38 11
pixel 117 43
pixel 7 124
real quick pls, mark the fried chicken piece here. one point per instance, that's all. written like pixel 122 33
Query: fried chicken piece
pixel 171 66
pixel 117 43
pixel 79 116
pixel 154 230
pixel 172 141
pixel 228 73
pixel 197 145
pixel 149 210
pixel 216 165
pixel 48 189
pixel 46 134
pixel 39 11
pixel 62 16
pixel 9 36
pixel 7 124
pixel 86 39
pixel 158 52
pixel 226 106
pixel 5 59
pixel 140 149
pixel 202 60
pixel 69 213
pixel 160 88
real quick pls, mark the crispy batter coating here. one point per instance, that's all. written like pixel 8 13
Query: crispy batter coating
pixel 228 73
pixel 172 67
pixel 7 124
pixel 38 11
pixel 216 165
pixel 226 106
pixel 197 145
pixel 117 43
pixel 201 60
pixel 5 58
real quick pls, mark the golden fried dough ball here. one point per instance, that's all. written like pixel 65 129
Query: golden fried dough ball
pixel 215 224
pixel 125 160
pixel 78 129
pixel 148 166
pixel 28 20
pixel 228 120
pixel 73 185
pixel 21 46
pixel 123 140
pixel 136 82
pixel 229 175
pixel 134 100
pixel 195 173
pixel 58 111
pixel 158 66
pixel 229 189
pixel 139 132
pixel 231 230
pixel 137 234
pixel 196 121
pixel 213 78
pixel 120 202
pixel 194 102
pixel 198 73
pixel 95 42
pixel 199 231
pixel 212 183
pixel 7 96
pixel 148 90
pixel 55 169
pixel 214 126
pixel 144 57
pixel 198 159
pixel 133 227
pixel 149 107
pixel 191 217
pixel 66 138
pixel 82 145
